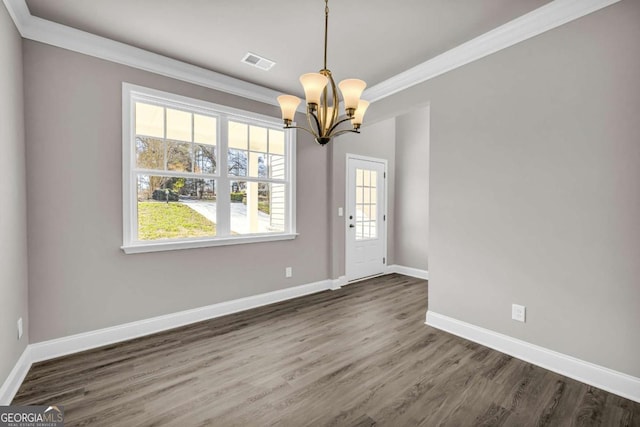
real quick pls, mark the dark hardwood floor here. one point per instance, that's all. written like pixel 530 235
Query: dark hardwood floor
pixel 359 356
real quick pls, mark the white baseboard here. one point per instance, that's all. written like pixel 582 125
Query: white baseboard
pixel 15 378
pixel 50 349
pixel 408 271
pixel 338 283
pixel 75 343
pixel 598 376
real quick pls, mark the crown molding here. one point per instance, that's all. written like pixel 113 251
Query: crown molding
pixel 538 21
pixel 545 18
pixel 19 12
pixel 44 31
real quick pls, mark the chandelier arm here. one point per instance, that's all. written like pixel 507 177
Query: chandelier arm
pixel 336 106
pixel 310 114
pixel 322 114
pixel 302 128
pixel 345 131
pixel 337 124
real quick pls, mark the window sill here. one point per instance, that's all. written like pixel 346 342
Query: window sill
pixel 136 248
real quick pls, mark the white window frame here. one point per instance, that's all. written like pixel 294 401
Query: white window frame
pixel 133 93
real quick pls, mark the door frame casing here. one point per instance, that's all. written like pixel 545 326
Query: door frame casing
pixel 385 162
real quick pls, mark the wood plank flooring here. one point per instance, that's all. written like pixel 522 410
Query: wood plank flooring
pixel 359 356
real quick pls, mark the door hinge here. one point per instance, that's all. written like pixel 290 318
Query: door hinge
pixel 385 174
pixel 384 260
pixel 384 217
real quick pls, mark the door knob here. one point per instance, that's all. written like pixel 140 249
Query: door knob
pixel 352 226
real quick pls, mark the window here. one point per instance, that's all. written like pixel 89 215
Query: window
pixel 198 174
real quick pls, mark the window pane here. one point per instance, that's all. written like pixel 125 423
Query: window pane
pixel 278 207
pixel 277 167
pixel 257 207
pixel 374 177
pixel 366 212
pixel 175 208
pixel 149 153
pixel 257 165
pixel 149 120
pixel 179 156
pixel 359 177
pixel 276 141
pixel 179 125
pixel 204 159
pixel 238 135
pixel 258 139
pixel 204 129
pixel 237 162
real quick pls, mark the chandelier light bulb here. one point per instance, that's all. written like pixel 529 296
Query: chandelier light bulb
pixel 359 114
pixel 351 91
pixel 288 105
pixel 313 85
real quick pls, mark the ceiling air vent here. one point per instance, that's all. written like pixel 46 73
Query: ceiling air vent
pixel 258 61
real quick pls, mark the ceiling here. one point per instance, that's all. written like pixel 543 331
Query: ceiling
pixel 368 39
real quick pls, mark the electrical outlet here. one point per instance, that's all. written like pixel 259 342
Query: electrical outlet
pixel 288 272
pixel 518 312
pixel 20 331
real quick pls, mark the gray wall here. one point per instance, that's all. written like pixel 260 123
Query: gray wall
pixel 375 140
pixel 13 222
pixel 535 167
pixel 411 209
pixel 79 278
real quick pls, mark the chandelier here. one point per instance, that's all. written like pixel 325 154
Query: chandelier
pixel 323 103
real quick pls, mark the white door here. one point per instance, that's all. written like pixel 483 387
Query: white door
pixel 365 217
